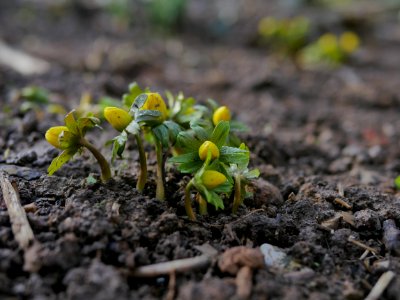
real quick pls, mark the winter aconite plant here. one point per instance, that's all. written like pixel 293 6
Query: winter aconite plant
pixel 201 138
pixel 71 139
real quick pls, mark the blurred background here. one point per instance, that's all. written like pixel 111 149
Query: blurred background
pixel 280 65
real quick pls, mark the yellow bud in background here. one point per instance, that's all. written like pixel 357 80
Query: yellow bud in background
pixel 222 113
pixel 208 146
pixel 211 179
pixel 117 117
pixel 268 26
pixel 328 43
pixel 52 135
pixel 156 102
pixel 349 41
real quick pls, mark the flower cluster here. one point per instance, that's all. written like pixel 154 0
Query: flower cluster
pixel 201 138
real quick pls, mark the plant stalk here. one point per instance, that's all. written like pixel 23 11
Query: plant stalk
pixel 104 166
pixel 237 198
pixel 142 178
pixel 202 205
pixel 160 190
pixel 188 202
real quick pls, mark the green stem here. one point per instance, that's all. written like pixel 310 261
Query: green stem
pixel 160 190
pixel 142 178
pixel 105 168
pixel 237 199
pixel 202 205
pixel 188 202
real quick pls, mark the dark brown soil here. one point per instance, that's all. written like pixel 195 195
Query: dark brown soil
pixel 326 143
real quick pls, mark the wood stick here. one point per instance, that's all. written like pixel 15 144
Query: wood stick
pixel 179 265
pixel 380 285
pixel 19 222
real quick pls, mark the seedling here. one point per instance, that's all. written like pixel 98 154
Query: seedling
pixel 210 184
pixel 166 15
pixel 71 139
pixel 203 151
pixel 87 106
pixel 150 111
pixel 397 182
pixel 37 99
pixel 329 50
pixel 122 121
pixel 223 113
pixel 242 177
pixel 286 35
pixel 184 111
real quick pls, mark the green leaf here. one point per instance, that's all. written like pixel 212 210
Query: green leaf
pixel 201 133
pixel 190 167
pixel 161 133
pixel 225 188
pixel 67 140
pixel 212 104
pixel 148 117
pixel 86 123
pixel 231 155
pixel 255 173
pixel 188 142
pixel 397 182
pixel 185 158
pixel 134 91
pixel 213 198
pixel 119 143
pixel 237 126
pixel 60 160
pixel 138 103
pixel 173 130
pixel 35 94
pixel 71 123
pixel 220 134
pixel 133 128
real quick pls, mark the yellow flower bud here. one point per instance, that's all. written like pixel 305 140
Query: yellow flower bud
pixel 349 42
pixel 222 113
pixel 328 43
pixel 52 135
pixel 208 146
pixel 155 102
pixel 211 179
pixel 117 117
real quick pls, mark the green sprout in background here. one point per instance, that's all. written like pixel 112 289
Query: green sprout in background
pixel 329 50
pixel 71 139
pixel 284 35
pixel 37 98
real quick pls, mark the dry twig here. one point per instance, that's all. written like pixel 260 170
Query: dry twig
pixel 20 226
pixel 380 285
pixel 179 266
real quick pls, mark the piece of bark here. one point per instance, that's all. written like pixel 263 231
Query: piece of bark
pixel 19 222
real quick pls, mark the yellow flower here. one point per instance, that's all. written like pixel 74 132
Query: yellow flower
pixel 52 135
pixel 222 113
pixel 155 102
pixel 349 41
pixel 208 146
pixel 328 43
pixel 117 117
pixel 211 179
